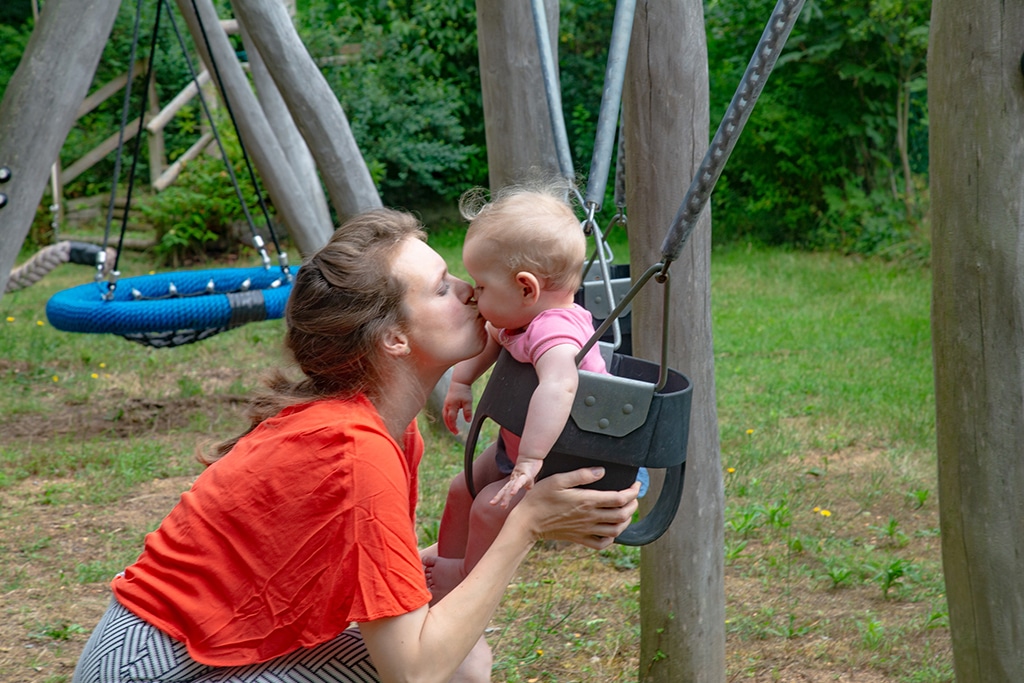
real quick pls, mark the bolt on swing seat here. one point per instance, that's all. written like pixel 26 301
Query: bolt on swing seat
pixel 637 416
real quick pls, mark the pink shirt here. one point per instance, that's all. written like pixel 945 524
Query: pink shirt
pixel 549 329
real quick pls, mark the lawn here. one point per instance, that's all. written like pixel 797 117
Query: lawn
pixel 826 412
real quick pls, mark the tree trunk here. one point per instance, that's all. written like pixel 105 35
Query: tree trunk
pixel 40 105
pixel 666 122
pixel 976 111
pixel 313 105
pixel 518 128
pixel 253 128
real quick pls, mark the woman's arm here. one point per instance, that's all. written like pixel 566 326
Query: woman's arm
pixel 429 644
pixel 546 416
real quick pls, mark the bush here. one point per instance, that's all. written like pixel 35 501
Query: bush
pixel 201 213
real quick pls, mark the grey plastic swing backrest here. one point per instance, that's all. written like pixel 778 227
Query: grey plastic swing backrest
pixel 621 446
pixel 595 294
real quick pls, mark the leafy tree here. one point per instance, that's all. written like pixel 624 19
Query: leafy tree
pixel 831 153
pixel 411 92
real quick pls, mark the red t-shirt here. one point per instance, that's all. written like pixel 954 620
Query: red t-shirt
pixel 306 525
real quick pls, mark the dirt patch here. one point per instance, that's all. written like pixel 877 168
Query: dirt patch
pixel 47 611
pixel 116 415
pixel 569 615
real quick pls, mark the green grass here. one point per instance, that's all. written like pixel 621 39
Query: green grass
pixel 826 415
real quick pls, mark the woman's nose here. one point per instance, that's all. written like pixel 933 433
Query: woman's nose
pixel 465 291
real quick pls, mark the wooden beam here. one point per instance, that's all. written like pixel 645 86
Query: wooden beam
pixel 160 121
pixel 665 109
pixel 255 131
pixel 976 155
pixel 105 92
pixel 172 172
pixel 516 121
pixel 313 105
pixel 294 146
pixel 97 153
pixel 39 107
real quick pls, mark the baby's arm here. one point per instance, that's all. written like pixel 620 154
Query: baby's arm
pixel 460 389
pixel 548 412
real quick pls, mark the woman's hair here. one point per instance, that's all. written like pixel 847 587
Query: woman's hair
pixel 344 299
pixel 530 228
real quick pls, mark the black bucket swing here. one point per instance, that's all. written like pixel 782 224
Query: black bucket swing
pixel 176 308
pixel 639 415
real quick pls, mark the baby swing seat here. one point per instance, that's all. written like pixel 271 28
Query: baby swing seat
pixel 618 421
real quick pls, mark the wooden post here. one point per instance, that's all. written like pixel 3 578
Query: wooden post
pixel 288 135
pixel 258 137
pixel 666 123
pixel 976 152
pixel 517 125
pixel 39 107
pixel 314 107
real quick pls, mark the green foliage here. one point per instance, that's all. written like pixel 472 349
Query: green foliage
pixel 13 39
pixel 201 212
pixel 411 92
pixel 824 158
pixel 170 75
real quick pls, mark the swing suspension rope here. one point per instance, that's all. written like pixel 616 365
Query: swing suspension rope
pixel 257 239
pixel 773 39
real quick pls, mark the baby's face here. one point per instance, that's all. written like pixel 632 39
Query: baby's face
pixel 499 298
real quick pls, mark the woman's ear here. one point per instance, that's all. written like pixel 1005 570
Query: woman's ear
pixel 529 286
pixel 396 343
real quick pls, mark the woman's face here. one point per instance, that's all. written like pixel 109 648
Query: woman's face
pixel 442 322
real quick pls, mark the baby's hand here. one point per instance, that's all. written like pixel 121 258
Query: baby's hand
pixel 459 397
pixel 523 477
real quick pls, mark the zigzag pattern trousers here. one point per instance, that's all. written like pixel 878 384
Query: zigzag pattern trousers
pixel 125 649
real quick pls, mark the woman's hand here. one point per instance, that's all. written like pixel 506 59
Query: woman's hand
pixel 556 509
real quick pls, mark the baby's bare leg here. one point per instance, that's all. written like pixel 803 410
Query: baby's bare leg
pixel 485 521
pixel 453 532
pixel 447 569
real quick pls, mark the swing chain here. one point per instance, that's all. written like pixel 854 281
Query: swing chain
pixel 773 40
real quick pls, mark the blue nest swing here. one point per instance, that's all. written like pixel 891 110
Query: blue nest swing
pixel 174 308
pixel 171 309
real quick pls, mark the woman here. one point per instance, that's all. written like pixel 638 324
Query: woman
pixel 305 523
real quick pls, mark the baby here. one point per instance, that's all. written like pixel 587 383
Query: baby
pixel 525 252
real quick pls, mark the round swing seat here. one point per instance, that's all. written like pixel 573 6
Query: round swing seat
pixel 618 421
pixel 175 308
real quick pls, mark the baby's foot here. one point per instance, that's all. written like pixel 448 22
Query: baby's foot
pixel 443 574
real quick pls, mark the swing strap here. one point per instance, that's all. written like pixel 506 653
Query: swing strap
pixel 611 98
pixel 780 24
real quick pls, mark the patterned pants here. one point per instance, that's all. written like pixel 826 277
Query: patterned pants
pixel 125 649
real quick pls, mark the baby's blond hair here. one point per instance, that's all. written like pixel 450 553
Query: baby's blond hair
pixel 529 229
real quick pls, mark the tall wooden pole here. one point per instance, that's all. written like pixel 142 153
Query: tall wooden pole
pixel 976 114
pixel 517 125
pixel 666 125
pixel 40 105
pixel 255 131
pixel 295 148
pixel 313 105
